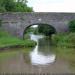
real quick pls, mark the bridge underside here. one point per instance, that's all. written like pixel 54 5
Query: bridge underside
pixel 41 28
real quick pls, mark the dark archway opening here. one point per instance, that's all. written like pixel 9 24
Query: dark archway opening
pixel 44 29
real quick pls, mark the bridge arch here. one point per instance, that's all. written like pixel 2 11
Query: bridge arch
pixel 49 25
pixel 16 23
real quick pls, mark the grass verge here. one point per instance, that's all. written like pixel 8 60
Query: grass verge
pixel 7 40
pixel 64 40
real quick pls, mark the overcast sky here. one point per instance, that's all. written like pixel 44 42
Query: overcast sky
pixel 52 5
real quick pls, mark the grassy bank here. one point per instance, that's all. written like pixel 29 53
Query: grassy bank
pixel 8 40
pixel 65 47
pixel 64 40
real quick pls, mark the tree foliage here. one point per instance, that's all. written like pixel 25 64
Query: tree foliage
pixel 46 29
pixel 14 6
pixel 72 26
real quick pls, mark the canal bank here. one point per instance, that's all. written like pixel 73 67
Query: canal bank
pixel 7 42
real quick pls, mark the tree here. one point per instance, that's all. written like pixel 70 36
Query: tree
pixel 46 29
pixel 14 6
pixel 9 5
pixel 21 7
pixel 72 26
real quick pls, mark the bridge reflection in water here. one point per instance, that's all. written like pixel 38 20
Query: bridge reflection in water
pixel 38 56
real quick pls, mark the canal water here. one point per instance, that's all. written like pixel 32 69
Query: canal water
pixel 39 59
pixel 41 54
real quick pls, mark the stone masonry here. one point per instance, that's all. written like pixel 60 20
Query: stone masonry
pixel 16 23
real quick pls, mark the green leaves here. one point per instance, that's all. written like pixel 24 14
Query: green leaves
pixel 46 29
pixel 13 6
pixel 72 26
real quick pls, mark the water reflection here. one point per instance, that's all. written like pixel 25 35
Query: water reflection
pixel 41 54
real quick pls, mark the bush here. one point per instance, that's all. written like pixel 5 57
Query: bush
pixel 72 26
pixel 2 9
pixel 64 40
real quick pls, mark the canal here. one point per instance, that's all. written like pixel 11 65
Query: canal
pixel 40 59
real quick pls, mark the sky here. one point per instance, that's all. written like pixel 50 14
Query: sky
pixel 52 5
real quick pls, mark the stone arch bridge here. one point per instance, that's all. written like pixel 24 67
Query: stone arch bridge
pixel 16 23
